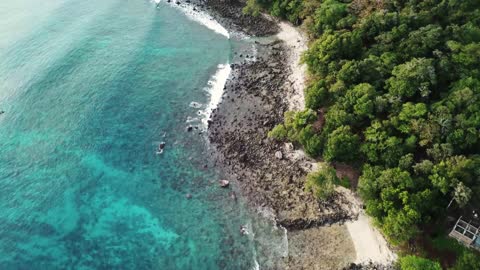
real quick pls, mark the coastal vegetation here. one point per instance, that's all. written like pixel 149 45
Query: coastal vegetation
pixel 322 182
pixel 413 263
pixel 394 91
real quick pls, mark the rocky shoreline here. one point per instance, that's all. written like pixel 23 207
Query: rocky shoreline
pixel 254 101
pixel 269 174
pixel 229 14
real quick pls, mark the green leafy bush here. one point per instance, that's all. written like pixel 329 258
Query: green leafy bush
pixel 322 182
pixel 417 263
pixel 467 261
pixel 316 95
pixel 298 127
pixel 279 132
pixel 342 145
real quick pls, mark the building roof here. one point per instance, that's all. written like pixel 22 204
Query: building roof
pixel 466 233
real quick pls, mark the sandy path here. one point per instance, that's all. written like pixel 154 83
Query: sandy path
pixel 297 44
pixel 369 243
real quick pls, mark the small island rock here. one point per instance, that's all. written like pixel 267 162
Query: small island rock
pixel 224 183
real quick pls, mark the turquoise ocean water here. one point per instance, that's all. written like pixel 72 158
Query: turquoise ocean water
pixel 90 89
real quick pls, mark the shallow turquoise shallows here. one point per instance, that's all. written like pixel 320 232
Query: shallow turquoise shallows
pixel 90 88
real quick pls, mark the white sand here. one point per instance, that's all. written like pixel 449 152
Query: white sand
pixel 370 245
pixel 297 44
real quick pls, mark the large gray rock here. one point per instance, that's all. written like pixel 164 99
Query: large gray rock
pixel 289 147
pixel 224 183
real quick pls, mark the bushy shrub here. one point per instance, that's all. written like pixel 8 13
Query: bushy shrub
pixel 316 95
pixel 417 263
pixel 467 261
pixel 342 145
pixel 297 127
pixel 322 182
pixel 279 132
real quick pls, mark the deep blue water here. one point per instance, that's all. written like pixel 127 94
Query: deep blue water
pixel 90 89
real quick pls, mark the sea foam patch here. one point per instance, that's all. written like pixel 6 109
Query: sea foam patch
pixel 215 89
pixel 200 17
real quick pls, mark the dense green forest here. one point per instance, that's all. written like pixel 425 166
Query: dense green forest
pixel 394 90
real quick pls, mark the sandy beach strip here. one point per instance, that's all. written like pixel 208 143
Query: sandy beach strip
pixel 370 245
pixel 296 44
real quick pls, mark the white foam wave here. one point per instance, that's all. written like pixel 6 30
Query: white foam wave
pixel 195 105
pixel 200 17
pixel 284 242
pixel 256 266
pixel 267 212
pixel 277 235
pixel 215 89
pixel 192 119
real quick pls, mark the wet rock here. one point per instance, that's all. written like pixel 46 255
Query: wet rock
pixel 289 146
pixel 224 183
pixel 188 196
pixel 161 146
pixel 229 13
pixel 233 196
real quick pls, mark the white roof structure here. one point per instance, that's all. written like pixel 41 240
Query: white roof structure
pixel 466 233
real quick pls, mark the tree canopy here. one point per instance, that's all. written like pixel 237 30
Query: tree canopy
pixel 322 182
pixel 396 86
